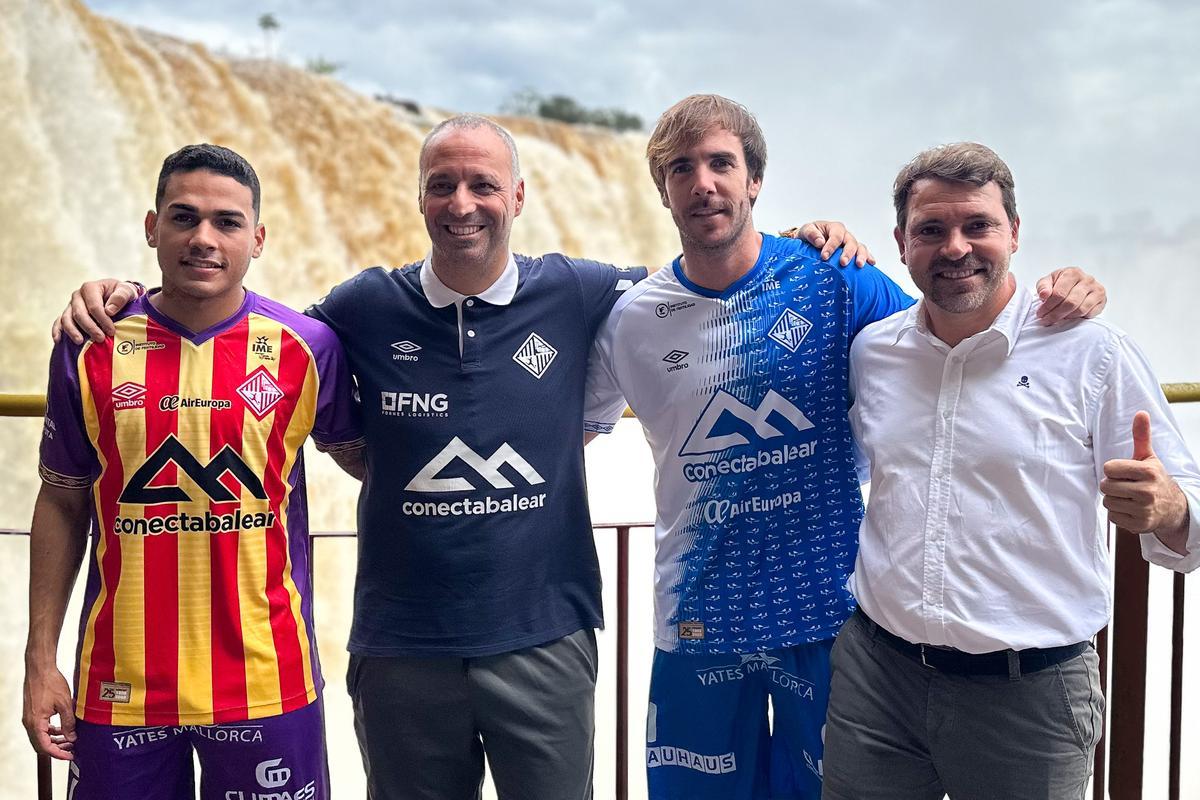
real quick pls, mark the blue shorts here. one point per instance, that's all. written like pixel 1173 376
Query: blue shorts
pixel 707 733
pixel 281 756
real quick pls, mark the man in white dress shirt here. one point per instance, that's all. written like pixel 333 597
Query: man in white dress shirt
pixel 983 571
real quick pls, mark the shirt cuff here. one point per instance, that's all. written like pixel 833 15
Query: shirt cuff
pixel 1158 553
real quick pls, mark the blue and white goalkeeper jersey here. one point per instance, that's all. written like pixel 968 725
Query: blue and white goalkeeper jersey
pixel 743 395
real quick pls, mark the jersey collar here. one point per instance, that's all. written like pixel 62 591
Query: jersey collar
pixel 440 295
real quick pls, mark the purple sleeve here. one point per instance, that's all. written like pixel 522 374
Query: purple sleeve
pixel 337 423
pixel 67 457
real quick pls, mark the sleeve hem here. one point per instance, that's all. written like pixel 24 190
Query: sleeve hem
pixel 63 481
pixel 340 447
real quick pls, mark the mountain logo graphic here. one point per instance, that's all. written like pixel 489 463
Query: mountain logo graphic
pixel 207 477
pixel 705 438
pixel 427 479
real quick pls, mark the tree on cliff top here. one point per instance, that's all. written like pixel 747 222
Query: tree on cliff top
pixel 530 103
pixel 268 24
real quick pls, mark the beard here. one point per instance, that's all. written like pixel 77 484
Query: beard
pixel 962 295
pixel 739 219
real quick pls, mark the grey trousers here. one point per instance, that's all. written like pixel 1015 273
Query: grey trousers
pixel 898 730
pixel 424 724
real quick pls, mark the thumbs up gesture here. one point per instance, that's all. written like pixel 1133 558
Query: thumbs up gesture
pixel 1139 494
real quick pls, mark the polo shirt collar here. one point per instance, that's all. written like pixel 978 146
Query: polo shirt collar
pixel 440 295
pixel 1008 322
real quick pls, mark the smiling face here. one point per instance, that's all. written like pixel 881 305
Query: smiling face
pixel 205 233
pixel 469 198
pixel 956 243
pixel 710 192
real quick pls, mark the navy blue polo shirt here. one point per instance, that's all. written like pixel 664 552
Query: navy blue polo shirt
pixel 474 531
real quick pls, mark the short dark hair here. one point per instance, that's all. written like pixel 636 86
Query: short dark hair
pixel 213 158
pixel 965 162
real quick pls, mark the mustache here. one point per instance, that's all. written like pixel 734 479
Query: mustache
pixel 969 261
pixel 709 204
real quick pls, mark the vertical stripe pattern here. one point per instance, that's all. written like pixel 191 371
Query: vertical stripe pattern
pixel 197 617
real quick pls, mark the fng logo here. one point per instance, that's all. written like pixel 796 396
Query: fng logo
pixel 705 438
pixel 414 404
pixel 208 478
pixel 489 469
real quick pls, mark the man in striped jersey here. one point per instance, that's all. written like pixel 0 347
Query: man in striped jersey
pixel 180 439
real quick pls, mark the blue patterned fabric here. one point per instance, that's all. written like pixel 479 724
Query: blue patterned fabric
pixel 743 395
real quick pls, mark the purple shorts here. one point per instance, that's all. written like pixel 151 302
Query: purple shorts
pixel 276 757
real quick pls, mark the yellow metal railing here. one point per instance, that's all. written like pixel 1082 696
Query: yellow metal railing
pixel 34 405
pixel 22 405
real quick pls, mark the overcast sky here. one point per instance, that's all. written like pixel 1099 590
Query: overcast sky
pixel 1095 105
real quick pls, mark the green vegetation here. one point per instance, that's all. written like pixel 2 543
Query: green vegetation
pixel 321 66
pixel 530 103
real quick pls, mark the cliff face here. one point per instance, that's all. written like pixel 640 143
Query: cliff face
pixel 91 107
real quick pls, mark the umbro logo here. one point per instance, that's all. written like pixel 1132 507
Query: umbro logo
pixel 488 469
pixel 790 330
pixel 726 420
pixel 405 351
pixel 675 359
pixel 129 395
pixel 536 355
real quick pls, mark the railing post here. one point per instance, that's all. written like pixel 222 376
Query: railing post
pixel 45 781
pixel 1174 758
pixel 622 662
pixel 1128 696
pixel 1100 773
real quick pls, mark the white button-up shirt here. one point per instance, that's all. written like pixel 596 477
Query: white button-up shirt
pixel 984 530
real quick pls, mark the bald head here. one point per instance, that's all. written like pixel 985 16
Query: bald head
pixel 466 122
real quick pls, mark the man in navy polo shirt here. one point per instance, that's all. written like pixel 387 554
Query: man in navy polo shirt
pixel 478 585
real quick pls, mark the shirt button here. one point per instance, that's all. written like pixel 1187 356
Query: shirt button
pixel 945 414
pixel 471 334
pixel 470 303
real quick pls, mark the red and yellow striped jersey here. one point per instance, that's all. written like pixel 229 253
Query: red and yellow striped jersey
pixel 198 606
